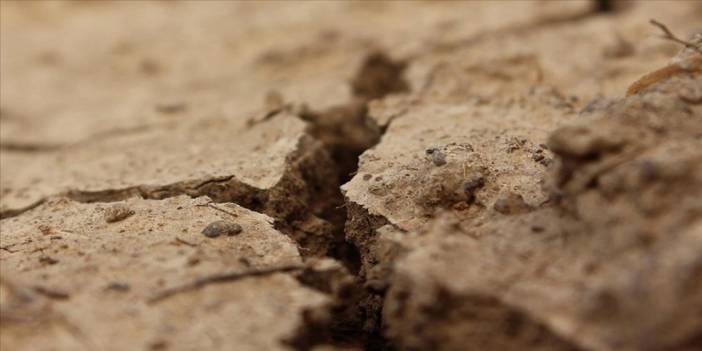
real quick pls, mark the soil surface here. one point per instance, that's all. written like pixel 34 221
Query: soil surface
pixel 513 175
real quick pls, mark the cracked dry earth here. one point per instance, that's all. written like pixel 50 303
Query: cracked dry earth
pixel 350 176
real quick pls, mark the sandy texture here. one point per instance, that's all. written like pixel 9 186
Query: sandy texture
pixel 73 280
pixel 218 60
pixel 183 159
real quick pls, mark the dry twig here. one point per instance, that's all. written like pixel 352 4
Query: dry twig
pixel 214 207
pixel 221 278
pixel 667 34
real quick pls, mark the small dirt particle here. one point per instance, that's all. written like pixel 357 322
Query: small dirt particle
pixel 471 185
pixel 649 171
pixel 193 261
pixel 117 212
pixel 171 107
pixel 474 183
pixel 514 144
pixel 461 206
pixel 158 345
pixel 149 67
pixel 511 203
pixel 45 229
pixel 537 228
pixel 436 156
pixel 244 261
pixel 118 286
pixel 48 260
pixel 218 228
pixel 378 189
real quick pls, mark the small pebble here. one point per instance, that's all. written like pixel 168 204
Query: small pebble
pixel 470 186
pixel 218 228
pixel 118 286
pixel 117 212
pixel 436 156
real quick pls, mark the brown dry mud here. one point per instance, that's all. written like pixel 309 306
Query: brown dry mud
pixel 517 175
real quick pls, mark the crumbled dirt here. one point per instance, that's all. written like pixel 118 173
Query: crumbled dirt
pixel 350 176
pixel 612 265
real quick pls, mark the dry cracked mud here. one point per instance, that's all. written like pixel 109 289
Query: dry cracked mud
pixel 351 175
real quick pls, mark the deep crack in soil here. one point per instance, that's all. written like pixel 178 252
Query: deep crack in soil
pixel 341 240
pixel 306 204
pixel 354 317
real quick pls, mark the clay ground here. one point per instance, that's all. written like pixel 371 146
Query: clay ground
pixel 328 175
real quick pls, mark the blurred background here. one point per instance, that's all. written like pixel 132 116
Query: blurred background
pixel 72 71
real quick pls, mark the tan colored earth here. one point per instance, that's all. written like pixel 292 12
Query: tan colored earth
pixel 425 175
